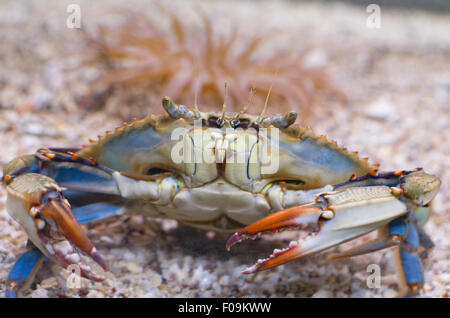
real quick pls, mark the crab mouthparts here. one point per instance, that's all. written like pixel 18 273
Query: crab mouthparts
pixel 304 218
pixel 64 238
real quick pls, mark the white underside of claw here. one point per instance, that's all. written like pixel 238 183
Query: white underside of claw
pixel 357 211
pixel 19 211
pixel 67 254
pixel 276 252
pixel 63 247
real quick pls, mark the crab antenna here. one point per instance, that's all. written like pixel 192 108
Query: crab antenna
pixel 265 104
pixel 249 101
pixel 196 111
pixel 224 102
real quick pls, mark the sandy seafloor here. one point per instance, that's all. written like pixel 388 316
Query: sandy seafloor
pixel 397 81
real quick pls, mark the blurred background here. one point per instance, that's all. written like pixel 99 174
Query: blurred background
pixel 375 79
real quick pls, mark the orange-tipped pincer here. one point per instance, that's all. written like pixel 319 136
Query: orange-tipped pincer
pixel 57 209
pixel 305 217
pixel 295 217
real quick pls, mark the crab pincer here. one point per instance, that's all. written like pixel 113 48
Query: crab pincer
pixel 301 218
pixel 46 216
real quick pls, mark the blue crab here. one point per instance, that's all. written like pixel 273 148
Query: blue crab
pixel 315 186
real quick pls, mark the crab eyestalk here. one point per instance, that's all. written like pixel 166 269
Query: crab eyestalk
pixel 334 218
pixel 37 203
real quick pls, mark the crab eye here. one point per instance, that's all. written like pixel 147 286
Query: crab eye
pixel 235 123
pixel 213 122
pixel 240 123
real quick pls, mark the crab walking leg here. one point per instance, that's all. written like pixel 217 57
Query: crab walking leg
pixel 23 272
pixel 408 262
pixel 403 233
pixel 36 202
pixel 159 192
pixel 96 211
pixel 69 171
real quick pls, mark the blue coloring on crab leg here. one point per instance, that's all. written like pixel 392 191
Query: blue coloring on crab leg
pixel 96 211
pixel 23 272
pixel 83 178
pixel 81 198
pixel 398 227
pixel 413 236
pixel 412 268
pixel 411 264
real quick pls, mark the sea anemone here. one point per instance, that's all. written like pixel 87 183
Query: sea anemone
pixel 146 60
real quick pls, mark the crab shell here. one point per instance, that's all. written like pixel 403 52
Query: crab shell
pixel 232 190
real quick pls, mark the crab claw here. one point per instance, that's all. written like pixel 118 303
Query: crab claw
pixel 302 218
pixel 334 218
pixel 55 208
pixel 37 203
